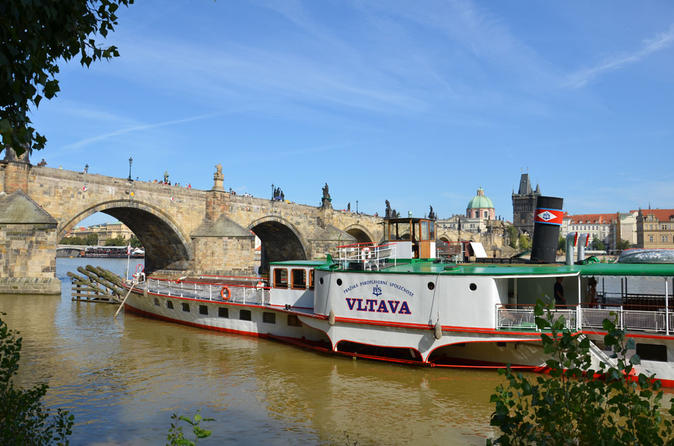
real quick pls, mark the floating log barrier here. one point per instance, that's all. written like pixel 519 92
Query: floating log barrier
pixel 96 285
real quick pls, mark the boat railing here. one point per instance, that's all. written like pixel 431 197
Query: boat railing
pixel 215 291
pixel 449 251
pixel 582 317
pixel 522 317
pixel 367 256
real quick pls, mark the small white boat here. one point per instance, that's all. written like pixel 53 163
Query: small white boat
pixel 396 302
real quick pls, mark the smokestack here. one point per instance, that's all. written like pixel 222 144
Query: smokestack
pixel 547 220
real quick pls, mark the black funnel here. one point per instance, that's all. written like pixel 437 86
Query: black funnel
pixel 547 220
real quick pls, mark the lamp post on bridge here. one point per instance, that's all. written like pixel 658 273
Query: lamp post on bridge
pixel 130 162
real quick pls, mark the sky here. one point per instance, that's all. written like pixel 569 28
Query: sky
pixel 418 103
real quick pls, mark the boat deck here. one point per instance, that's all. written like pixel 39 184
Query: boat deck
pixel 234 291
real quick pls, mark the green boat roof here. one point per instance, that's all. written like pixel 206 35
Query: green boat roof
pixel 521 269
pixel 310 263
pixel 626 269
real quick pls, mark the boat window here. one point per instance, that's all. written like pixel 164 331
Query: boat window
pixel 299 279
pixel 294 321
pixel 269 318
pixel 425 233
pixel 156 301
pixel 400 230
pixel 311 279
pixel 169 304
pixel 652 352
pixel 432 226
pixel 281 278
pixel 244 315
pixel 186 307
pixel 472 287
pixel 223 312
pixel 203 309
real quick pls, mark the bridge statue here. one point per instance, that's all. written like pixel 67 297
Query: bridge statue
pixel 326 201
pixel 218 178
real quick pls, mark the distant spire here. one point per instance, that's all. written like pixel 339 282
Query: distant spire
pixel 525 185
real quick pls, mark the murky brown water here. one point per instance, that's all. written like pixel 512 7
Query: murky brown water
pixel 123 378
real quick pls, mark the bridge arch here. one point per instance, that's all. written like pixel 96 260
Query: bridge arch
pixel 280 241
pixel 165 245
pixel 360 233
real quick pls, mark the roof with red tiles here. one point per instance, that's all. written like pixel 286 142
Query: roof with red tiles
pixel 659 214
pixel 596 219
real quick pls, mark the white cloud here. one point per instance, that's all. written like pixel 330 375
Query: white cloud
pixel 658 43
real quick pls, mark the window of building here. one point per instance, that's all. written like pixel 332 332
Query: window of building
pixel 223 312
pixel 169 304
pixel 245 315
pixel 281 278
pixel 650 238
pixel 203 309
pixel 269 318
pixel 186 307
pixel 294 321
pixel 299 279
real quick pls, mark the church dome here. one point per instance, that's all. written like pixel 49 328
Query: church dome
pixel 480 201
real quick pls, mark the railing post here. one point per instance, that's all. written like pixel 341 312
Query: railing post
pixel 622 318
pixel 579 315
pixel 666 307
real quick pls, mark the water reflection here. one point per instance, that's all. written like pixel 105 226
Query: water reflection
pixel 123 378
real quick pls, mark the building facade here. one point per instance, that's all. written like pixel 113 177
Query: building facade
pixel 104 232
pixel 524 205
pixel 603 227
pixel 655 228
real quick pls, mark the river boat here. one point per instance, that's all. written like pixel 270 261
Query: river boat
pixel 397 302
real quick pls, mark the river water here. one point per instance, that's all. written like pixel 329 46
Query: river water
pixel 123 378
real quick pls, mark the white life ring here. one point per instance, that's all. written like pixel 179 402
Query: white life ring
pixel 366 253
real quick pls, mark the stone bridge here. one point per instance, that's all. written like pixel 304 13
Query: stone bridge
pixel 182 230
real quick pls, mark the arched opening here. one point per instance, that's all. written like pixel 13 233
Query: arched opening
pixel 164 246
pixel 359 234
pixel 278 242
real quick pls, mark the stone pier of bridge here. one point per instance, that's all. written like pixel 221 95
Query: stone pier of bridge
pixel 183 230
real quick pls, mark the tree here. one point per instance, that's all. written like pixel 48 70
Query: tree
pixel 573 406
pixel 134 242
pixel 598 244
pixel 524 242
pixel 35 36
pixel 622 244
pixel 513 234
pixel 23 418
pixel 116 241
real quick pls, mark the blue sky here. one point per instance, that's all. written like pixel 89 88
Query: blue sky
pixel 419 103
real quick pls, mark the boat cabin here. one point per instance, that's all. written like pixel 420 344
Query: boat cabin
pixel 292 283
pixel 413 238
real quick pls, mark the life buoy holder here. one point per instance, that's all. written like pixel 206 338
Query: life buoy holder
pixel 224 293
pixel 366 253
pixel 259 285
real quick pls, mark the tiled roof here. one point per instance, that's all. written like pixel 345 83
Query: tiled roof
pixel 595 219
pixel 659 214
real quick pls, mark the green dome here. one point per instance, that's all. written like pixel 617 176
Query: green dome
pixel 480 201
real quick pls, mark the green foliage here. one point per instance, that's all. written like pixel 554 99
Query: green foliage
pixel 89 240
pixel 598 244
pixel 622 244
pixel 35 36
pixel 175 436
pixel 573 406
pixel 116 241
pixel 134 242
pixel 524 242
pixel 513 235
pixel 561 244
pixel 23 418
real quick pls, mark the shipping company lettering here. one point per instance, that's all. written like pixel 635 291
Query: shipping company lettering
pixel 377 305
